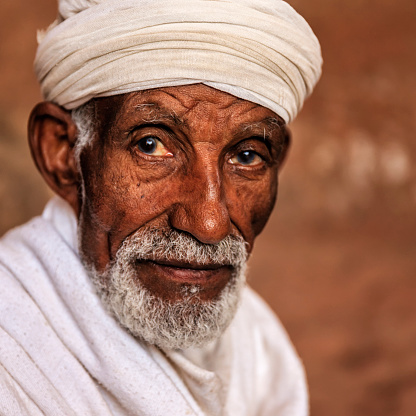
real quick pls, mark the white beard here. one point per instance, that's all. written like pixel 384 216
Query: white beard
pixel 187 322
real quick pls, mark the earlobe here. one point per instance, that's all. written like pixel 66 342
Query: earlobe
pixel 52 135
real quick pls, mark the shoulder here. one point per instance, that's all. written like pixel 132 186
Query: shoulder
pixel 258 317
pixel 254 305
pixel 269 357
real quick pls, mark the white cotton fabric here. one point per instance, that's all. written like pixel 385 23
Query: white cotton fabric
pixel 259 50
pixel 61 353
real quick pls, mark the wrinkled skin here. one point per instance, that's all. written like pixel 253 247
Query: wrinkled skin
pixel 190 158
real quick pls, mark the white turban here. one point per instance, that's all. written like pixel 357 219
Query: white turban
pixel 259 50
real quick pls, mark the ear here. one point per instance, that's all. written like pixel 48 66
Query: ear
pixel 52 135
pixel 287 140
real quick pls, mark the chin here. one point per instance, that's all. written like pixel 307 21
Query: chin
pixel 180 324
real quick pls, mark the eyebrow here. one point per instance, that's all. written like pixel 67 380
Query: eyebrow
pixel 268 124
pixel 163 114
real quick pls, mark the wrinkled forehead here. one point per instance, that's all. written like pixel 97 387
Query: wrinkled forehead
pixel 183 106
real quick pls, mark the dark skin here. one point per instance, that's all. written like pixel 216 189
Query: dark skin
pixel 189 158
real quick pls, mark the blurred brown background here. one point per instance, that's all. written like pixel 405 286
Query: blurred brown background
pixel 338 259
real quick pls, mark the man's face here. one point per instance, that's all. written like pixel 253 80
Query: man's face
pixel 190 160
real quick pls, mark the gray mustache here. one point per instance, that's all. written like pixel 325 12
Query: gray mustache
pixel 171 245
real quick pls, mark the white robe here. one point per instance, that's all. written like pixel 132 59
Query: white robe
pixel 61 353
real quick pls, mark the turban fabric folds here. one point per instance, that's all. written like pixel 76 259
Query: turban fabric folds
pixel 259 50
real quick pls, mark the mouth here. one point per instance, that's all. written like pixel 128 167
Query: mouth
pixel 192 273
pixel 166 278
pixel 186 265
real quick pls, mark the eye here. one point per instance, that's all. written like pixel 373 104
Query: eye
pixel 247 158
pixel 152 146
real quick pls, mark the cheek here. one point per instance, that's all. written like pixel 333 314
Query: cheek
pixel 252 204
pixel 264 208
pixel 119 202
pixel 120 185
pixel 120 199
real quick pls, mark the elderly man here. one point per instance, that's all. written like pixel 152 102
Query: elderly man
pixel 163 131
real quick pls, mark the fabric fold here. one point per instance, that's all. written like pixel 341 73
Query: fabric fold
pixel 261 51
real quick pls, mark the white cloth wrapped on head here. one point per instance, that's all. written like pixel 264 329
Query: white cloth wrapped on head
pixel 259 50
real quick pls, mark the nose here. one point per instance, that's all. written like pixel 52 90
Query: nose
pixel 201 209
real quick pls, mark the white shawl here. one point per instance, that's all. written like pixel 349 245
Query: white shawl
pixel 61 353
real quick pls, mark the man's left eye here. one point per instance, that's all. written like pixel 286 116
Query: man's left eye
pixel 152 146
pixel 247 158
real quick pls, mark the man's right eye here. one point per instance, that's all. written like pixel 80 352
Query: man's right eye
pixel 152 146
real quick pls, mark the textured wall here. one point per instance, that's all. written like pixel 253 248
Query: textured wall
pixel 338 259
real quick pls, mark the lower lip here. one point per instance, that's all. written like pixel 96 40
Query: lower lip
pixel 194 276
pixel 191 276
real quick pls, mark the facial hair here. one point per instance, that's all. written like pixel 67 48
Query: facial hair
pixel 183 323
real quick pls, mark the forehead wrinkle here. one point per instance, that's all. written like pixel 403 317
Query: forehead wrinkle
pixel 204 97
pixel 172 95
